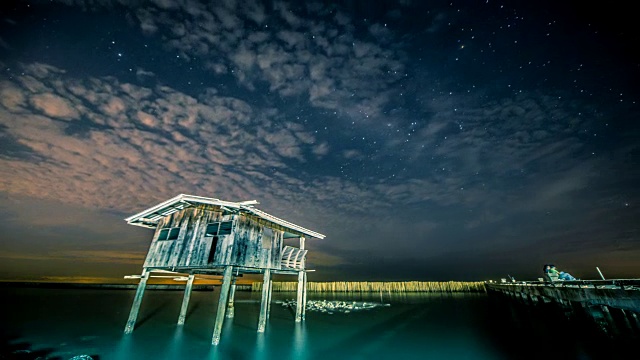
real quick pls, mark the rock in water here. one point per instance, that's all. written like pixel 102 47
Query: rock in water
pixel 81 357
pixel 330 307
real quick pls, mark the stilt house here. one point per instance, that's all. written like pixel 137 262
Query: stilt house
pixel 199 235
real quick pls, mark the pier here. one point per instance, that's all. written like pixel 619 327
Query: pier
pixel 621 294
pixel 613 304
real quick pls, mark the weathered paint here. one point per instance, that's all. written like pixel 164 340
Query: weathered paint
pixel 191 248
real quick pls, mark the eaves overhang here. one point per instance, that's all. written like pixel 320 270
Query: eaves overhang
pixel 150 217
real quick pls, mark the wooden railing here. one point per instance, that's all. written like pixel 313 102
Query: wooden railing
pixel 293 258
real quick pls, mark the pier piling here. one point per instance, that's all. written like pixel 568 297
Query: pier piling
pixel 185 300
pixel 133 315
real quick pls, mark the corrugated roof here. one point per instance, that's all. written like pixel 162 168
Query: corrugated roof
pixel 149 218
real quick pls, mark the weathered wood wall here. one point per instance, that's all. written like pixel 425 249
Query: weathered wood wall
pixel 191 248
pixel 249 249
pixel 243 247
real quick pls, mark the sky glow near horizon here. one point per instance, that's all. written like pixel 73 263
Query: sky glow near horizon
pixel 440 141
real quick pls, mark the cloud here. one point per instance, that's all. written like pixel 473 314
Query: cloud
pixel 283 53
pixel 54 106
pixel 11 97
pixel 135 140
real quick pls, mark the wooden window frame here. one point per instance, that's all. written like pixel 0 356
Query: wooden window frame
pixel 169 234
pixel 219 227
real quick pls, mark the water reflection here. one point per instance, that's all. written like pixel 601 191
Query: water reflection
pixel 261 347
pixel 124 348
pixel 588 331
pixel 299 345
pixel 175 347
pixel 214 353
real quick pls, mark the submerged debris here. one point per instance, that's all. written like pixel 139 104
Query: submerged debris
pixel 330 307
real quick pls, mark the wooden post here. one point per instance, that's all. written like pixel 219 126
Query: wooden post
pixel 299 300
pixel 304 297
pixel 222 304
pixel 133 315
pixel 263 303
pixel 269 298
pixel 185 300
pixel 232 295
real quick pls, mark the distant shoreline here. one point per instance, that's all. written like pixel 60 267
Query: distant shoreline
pixel 324 287
pixel 56 285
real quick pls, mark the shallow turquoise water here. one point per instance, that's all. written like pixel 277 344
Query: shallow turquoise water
pixel 62 323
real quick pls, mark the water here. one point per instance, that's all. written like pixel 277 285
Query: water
pixel 62 323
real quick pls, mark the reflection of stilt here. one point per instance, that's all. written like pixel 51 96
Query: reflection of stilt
pixel 626 321
pixel 265 298
pixel 222 304
pixel 299 345
pixel 185 300
pixel 133 315
pixel 635 319
pixel 610 321
pixel 230 304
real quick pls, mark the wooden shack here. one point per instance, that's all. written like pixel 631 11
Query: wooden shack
pixel 199 235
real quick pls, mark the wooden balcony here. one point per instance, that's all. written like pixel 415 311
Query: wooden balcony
pixel 293 258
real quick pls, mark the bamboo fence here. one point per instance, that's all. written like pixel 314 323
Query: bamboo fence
pixel 388 287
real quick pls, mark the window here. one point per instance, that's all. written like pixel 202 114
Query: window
pixel 169 233
pixel 219 228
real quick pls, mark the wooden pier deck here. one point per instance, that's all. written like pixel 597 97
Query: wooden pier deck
pixel 623 294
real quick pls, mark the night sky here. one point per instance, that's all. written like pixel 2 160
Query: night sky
pixel 428 140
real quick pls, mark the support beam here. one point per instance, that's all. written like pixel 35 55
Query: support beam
pixel 232 295
pixel 265 298
pixel 133 315
pixel 185 300
pixel 300 298
pixel 222 304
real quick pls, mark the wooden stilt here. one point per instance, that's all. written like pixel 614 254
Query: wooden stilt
pixel 230 304
pixel 304 296
pixel 222 304
pixel 185 300
pixel 265 298
pixel 300 296
pixel 269 298
pixel 133 315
